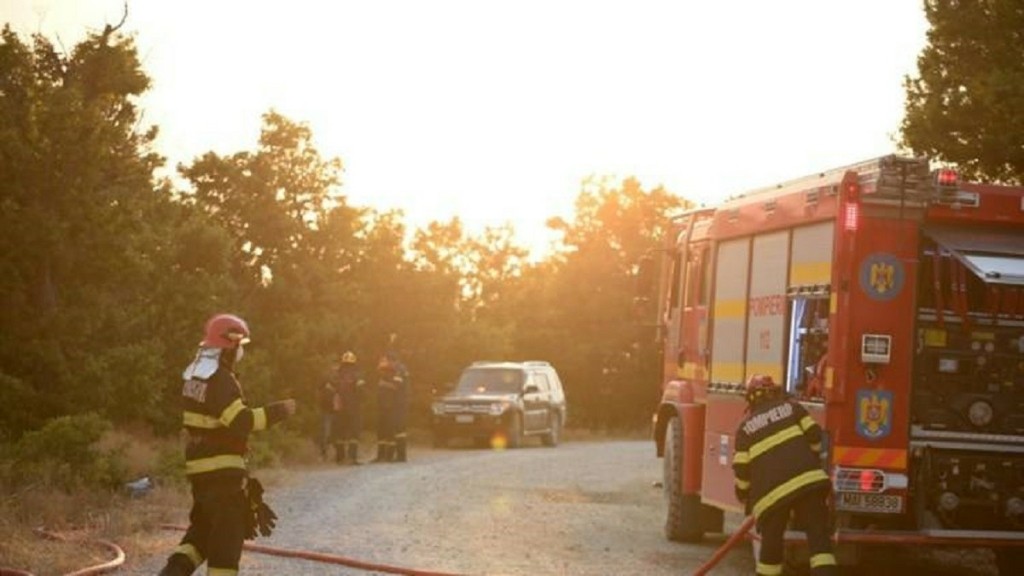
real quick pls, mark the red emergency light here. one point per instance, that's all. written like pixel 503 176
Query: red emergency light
pixel 851 219
pixel 867 480
pixel 946 177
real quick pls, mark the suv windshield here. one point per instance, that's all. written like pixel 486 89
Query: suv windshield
pixel 490 381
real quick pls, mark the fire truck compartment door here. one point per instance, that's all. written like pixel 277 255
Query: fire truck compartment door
pixel 994 256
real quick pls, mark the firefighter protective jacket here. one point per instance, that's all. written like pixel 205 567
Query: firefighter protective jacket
pixel 218 423
pixel 348 381
pixel 777 455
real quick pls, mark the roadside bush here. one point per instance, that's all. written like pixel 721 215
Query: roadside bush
pixel 276 446
pixel 64 454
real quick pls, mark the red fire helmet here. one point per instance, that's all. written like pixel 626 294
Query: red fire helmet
pixel 225 331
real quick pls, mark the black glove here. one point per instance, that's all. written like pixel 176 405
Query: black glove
pixel 261 518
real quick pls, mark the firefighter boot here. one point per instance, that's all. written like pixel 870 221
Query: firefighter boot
pixel 339 453
pixel 178 565
pixel 400 455
pixel 383 452
pixel 353 452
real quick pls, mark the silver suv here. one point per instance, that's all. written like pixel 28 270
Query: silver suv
pixel 500 403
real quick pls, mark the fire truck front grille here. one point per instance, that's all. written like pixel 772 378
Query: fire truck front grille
pixel 859 480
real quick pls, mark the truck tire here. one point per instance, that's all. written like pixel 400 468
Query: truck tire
pixel 682 521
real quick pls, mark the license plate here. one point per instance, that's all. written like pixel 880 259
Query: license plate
pixel 464 418
pixel 861 502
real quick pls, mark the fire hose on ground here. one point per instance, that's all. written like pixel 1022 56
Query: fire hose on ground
pixel 724 548
pixel 325 558
pixel 119 556
pixel 116 562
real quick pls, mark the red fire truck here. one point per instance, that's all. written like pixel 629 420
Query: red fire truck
pixel 887 297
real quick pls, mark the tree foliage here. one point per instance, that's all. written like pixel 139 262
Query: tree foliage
pixel 966 106
pixel 81 218
pixel 107 273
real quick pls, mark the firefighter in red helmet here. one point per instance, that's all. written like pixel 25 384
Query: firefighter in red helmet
pixel 778 474
pixel 227 505
pixel 392 406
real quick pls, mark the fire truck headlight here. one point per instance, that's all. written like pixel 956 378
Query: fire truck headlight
pixel 980 413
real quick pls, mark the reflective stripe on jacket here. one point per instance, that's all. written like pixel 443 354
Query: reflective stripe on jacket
pixel 218 423
pixel 776 456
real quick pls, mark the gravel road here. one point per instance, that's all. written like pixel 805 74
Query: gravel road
pixel 580 509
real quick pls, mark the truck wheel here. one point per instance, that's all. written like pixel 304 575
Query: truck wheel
pixel 682 521
pixel 554 430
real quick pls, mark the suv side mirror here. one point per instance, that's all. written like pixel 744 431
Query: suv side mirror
pixel 531 389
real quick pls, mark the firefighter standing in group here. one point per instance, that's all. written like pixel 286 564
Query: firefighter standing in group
pixel 330 404
pixel 227 505
pixel 392 406
pixel 778 473
pixel 348 382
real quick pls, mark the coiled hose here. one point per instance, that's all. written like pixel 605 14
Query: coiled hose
pixel 118 560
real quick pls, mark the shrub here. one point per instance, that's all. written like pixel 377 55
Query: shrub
pixel 64 454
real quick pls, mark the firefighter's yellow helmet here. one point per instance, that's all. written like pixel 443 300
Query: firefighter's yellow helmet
pixel 349 357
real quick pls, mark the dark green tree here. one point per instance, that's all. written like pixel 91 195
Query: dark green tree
pixel 966 106
pixel 81 228
pixel 272 201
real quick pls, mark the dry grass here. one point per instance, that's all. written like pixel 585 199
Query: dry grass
pixel 79 518
pixel 133 524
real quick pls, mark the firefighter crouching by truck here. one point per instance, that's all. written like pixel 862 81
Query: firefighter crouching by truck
pixel 392 408
pixel 348 381
pixel 778 473
pixel 227 505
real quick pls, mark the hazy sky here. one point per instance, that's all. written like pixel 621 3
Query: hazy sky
pixel 496 111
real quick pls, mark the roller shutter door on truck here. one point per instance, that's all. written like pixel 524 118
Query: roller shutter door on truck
pixel 766 311
pixel 730 311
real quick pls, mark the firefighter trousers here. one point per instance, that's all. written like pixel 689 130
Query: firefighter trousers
pixel 216 531
pixel 811 514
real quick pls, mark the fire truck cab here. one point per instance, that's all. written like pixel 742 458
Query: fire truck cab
pixel 889 299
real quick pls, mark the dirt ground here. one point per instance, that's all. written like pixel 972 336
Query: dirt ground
pixel 582 508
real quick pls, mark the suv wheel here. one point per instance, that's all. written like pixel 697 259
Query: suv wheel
pixel 554 430
pixel 514 433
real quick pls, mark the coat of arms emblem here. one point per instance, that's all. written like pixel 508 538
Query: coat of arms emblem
pixel 874 413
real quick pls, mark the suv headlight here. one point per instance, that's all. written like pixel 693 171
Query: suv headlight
pixel 497 409
pixel 437 408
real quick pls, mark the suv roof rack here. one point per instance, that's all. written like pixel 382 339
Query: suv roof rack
pixel 524 363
